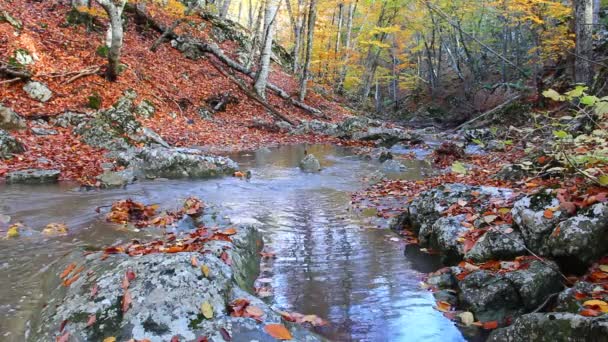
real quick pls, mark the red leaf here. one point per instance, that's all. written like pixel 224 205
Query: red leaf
pixel 92 320
pixel 126 301
pixel 490 325
pixel 225 334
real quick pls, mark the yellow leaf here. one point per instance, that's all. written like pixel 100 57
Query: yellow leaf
pixel 109 339
pixel 207 310
pixel 603 306
pixel 13 231
pixel 604 268
pixel 205 270
pixel 278 331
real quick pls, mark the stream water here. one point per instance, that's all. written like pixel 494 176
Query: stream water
pixel 331 261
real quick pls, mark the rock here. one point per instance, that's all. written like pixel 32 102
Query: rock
pixel 284 126
pixel 400 222
pixel 479 134
pixel 32 176
pixel 446 296
pixel 384 156
pixel 185 224
pixel 581 239
pixel 9 145
pixel 443 280
pixel 443 236
pixel 43 131
pixel 316 127
pixel 498 243
pixel 38 91
pixel 116 179
pixel 152 137
pixel 161 162
pixel 384 136
pixel 9 120
pixel 489 296
pixel 535 283
pixel 14 22
pixel 68 119
pixel 568 301
pixel 167 293
pixel 496 145
pixel 529 216
pixel 145 109
pixel 497 296
pixel 23 57
pixel 310 163
pixel 430 205
pixel 549 327
pixel 393 166
pixel 512 172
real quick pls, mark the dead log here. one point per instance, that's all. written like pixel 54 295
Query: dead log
pixel 168 32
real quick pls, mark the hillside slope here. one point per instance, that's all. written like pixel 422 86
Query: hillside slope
pixel 177 87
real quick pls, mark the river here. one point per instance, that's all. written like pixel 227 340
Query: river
pixel 331 261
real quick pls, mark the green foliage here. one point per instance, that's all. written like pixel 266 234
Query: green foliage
pixel 103 51
pixel 459 168
pixel 95 101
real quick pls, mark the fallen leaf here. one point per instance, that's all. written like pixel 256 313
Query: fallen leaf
pixel 207 310
pixel 589 313
pixel 126 301
pixel 254 311
pixel 466 318
pixel 597 304
pixel 604 268
pixel 130 275
pixel 67 270
pixel 225 335
pixel 194 261
pixel 548 214
pixel 490 325
pixel 229 231
pixel 278 331
pixel 92 320
pixel 109 339
pixel 63 338
pixel 205 270
pixel 443 306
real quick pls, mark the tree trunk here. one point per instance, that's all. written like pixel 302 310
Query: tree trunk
pixel 114 11
pixel 349 30
pixel 583 27
pixel 270 14
pixel 312 16
pixel 224 9
pixel 81 3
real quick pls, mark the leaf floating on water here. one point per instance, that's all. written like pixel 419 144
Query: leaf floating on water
pixel 254 311
pixel 278 331
pixel 55 229
pixel 13 231
pixel 207 310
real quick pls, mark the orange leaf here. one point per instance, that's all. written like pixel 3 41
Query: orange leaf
pixel 548 214
pixel 194 261
pixel 589 313
pixel 126 301
pixel 443 306
pixel 67 270
pixel 229 231
pixel 490 325
pixel 278 331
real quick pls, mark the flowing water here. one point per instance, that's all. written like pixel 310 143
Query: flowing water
pixel 331 261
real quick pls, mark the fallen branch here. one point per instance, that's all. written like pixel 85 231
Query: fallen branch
pixel 143 18
pixel 83 73
pixel 168 32
pixel 251 95
pixel 17 74
pixel 490 112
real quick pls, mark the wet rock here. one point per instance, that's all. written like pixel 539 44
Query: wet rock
pixel 567 300
pixel 167 293
pixel 393 166
pixel 116 179
pixel 443 280
pixel 443 236
pixel 489 296
pixel 310 163
pixel 535 283
pixel 68 119
pixel 316 127
pixel 385 136
pixel 43 131
pixel 145 109
pixel 185 224
pixel 446 296
pixel 430 205
pixel 400 222
pixel 479 134
pixel 9 120
pixel 512 172
pixel 384 156
pixel 581 239
pixel 499 243
pixel 161 162
pixel 529 216
pixel 32 176
pixel 38 91
pixel 496 296
pixel 551 327
pixel 9 145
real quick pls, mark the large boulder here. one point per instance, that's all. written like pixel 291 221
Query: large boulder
pixel 498 243
pixel 581 239
pixel 161 162
pixel 116 179
pixel 316 127
pixel 310 163
pixel 443 236
pixel 33 176
pixel 38 91
pixel 430 205
pixel 167 293
pixel 385 136
pixel 536 282
pixel 550 327
pixel 9 120
pixel 9 145
pixel 529 215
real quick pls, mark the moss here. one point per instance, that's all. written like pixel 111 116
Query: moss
pixel 103 51
pixel 195 323
pixel 540 200
pixel 95 101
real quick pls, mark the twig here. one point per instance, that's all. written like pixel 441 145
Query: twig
pixel 11 80
pixel 491 111
pixel 83 73
pixel 544 304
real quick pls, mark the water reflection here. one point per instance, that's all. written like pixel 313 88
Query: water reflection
pixel 328 263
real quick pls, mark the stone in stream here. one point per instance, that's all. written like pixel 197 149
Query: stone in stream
pixel 310 163
pixel 167 293
pixel 32 176
pixel 549 327
pixel 443 236
pixel 161 162
pixel 116 179
pixel 38 91
pixel 9 120
pixel 393 166
pixel 9 145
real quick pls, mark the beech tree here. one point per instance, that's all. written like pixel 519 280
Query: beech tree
pixel 583 27
pixel 114 9
pixel 312 17
pixel 270 14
